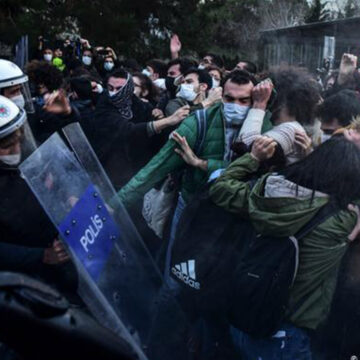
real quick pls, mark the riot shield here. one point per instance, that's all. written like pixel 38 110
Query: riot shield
pixel 118 279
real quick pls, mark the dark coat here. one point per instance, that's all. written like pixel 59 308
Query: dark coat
pixel 86 111
pixel 110 135
pixel 25 228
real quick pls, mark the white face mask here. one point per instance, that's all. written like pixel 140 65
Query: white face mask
pixel 19 101
pixel 146 72
pixel 108 65
pixel 235 113
pixel 201 67
pixel 87 60
pixel 187 92
pixel 99 89
pixel 215 83
pixel 48 57
pixel 160 83
pixel 11 160
pixel 113 93
pixel 325 137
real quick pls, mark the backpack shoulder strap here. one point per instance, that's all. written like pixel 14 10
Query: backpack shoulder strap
pixel 323 214
pixel 201 120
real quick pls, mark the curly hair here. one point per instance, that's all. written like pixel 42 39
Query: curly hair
pixel 296 90
pixel 41 72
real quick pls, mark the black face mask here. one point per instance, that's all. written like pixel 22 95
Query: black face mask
pixel 170 86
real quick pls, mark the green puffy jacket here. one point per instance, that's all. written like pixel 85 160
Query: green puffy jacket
pixel 321 250
pixel 167 161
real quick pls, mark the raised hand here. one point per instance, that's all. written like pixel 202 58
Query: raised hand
pixel 175 46
pixel 347 67
pixel 186 152
pixel 215 95
pixel 261 94
pixel 57 103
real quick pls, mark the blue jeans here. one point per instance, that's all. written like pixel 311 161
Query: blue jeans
pixel 289 343
pixel 177 214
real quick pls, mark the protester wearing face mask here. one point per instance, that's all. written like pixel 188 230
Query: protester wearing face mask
pixel 175 70
pixel 48 55
pixel 338 111
pixel 108 66
pixel 88 62
pixel 223 122
pixel 123 129
pixel 14 85
pixel 87 58
pixel 216 75
pixel 156 71
pixel 232 110
pixel 195 92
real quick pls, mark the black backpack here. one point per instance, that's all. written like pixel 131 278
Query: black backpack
pixel 223 267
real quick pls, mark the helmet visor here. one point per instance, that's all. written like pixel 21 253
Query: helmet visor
pixel 17 146
pixel 25 91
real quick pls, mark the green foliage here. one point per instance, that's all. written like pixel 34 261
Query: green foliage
pixel 142 29
pixel 352 8
pixel 318 12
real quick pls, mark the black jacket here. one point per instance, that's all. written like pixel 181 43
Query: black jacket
pixel 110 135
pixel 25 229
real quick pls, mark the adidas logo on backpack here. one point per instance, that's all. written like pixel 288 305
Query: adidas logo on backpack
pixel 186 273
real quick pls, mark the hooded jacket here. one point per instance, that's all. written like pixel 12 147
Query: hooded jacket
pixel 278 207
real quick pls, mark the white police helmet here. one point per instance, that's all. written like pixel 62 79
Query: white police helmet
pixel 11 75
pixel 16 139
pixel 11 117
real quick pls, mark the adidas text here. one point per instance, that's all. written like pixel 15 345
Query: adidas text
pixel 186 273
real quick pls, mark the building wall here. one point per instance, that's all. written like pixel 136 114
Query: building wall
pixel 306 45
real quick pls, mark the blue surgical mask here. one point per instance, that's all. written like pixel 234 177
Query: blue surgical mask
pixel 108 66
pixel 146 72
pixel 87 60
pixel 234 113
pixel 215 83
pixel 187 92
pixel 113 93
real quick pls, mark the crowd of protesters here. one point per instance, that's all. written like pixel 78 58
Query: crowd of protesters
pixel 273 148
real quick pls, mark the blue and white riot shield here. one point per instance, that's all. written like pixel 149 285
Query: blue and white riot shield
pixel 118 280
